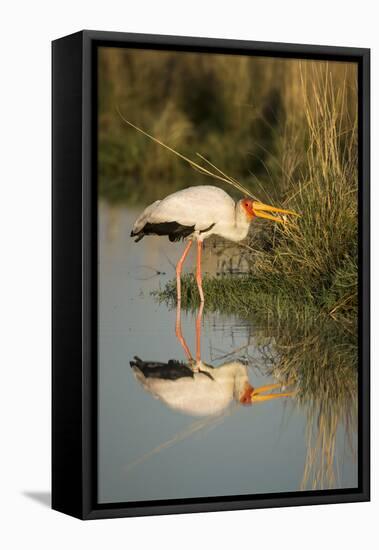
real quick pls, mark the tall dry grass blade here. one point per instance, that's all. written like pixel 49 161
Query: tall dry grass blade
pixel 231 180
pixel 193 164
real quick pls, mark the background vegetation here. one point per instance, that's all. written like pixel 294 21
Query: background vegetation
pixel 287 129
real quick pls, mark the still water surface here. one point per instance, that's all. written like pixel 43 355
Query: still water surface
pixel 149 451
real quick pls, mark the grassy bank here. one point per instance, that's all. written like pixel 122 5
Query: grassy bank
pixel 310 264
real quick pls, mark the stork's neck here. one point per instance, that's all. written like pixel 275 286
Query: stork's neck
pixel 233 377
pixel 237 228
pixel 241 381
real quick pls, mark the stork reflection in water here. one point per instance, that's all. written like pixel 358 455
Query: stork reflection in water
pixel 196 388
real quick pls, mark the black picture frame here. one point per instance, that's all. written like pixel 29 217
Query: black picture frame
pixel 74 272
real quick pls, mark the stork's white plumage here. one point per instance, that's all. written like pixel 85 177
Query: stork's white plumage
pixel 197 208
pixel 198 212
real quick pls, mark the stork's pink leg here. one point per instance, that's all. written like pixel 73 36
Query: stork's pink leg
pixel 178 332
pixel 198 332
pixel 198 270
pixel 179 267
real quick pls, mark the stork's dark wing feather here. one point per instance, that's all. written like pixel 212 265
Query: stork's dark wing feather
pixel 172 370
pixel 174 230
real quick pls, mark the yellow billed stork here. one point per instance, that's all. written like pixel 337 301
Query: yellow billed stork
pixel 198 212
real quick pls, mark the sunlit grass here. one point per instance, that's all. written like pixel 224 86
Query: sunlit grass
pixel 243 295
pixel 309 264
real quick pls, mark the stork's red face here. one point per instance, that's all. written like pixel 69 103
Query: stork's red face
pixel 247 206
pixel 247 394
pixel 254 209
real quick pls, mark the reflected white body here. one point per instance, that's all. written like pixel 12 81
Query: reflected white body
pixel 201 395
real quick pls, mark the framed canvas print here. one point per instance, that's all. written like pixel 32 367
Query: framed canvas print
pixel 210 275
